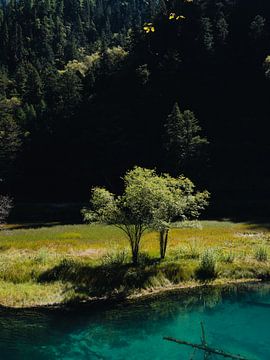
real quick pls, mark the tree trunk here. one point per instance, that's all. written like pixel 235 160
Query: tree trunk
pixel 134 233
pixel 134 257
pixel 163 241
pixel 135 253
pixel 135 247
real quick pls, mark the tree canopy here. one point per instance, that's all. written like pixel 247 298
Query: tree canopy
pixel 149 201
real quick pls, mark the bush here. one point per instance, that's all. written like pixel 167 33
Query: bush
pixel 176 272
pixel 5 208
pixel 207 269
pixel 228 258
pixel 144 259
pixel 42 256
pixel 115 258
pixel 194 250
pixel 261 254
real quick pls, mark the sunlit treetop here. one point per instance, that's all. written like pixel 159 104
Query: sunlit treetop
pixel 148 28
pixel 174 16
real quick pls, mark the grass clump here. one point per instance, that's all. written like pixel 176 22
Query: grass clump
pixel 227 258
pixel 261 254
pixel 194 251
pixel 207 269
pixel 115 258
pixel 176 272
pixel 42 256
pixel 190 251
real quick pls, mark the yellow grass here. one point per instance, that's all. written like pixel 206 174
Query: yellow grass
pixel 27 253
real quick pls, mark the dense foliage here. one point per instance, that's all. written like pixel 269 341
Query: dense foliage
pixel 149 201
pixel 86 88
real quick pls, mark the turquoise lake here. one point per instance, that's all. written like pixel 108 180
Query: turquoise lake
pixel 236 320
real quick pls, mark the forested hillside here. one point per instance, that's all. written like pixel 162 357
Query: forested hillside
pixel 86 88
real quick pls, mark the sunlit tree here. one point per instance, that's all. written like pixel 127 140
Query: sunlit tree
pixel 149 201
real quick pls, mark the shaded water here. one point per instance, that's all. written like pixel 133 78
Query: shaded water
pixel 235 319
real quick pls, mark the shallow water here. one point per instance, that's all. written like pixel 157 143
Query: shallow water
pixel 236 320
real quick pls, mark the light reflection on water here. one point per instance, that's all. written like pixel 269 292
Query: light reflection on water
pixel 236 320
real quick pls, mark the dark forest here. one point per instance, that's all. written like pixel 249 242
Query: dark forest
pixel 87 88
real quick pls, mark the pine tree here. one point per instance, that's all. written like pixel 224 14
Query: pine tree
pixel 70 90
pixel 257 27
pixel 182 138
pixel 222 28
pixel 207 33
pixel 4 82
pixel 10 143
pixel 33 86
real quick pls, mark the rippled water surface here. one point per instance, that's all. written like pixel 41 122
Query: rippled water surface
pixel 235 320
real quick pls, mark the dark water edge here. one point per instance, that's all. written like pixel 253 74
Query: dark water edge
pixel 236 318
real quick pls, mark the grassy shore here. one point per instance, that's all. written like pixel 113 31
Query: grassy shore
pixel 56 264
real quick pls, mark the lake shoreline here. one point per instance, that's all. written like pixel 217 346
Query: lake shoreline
pixel 79 265
pixel 140 296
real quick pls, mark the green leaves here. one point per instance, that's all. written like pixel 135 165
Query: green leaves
pixel 149 199
pixel 104 207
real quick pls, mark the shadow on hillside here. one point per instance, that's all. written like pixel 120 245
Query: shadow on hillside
pixel 44 214
pixel 35 225
pixel 104 280
pixel 255 223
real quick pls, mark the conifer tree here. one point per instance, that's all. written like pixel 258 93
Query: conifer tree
pixel 222 28
pixel 183 141
pixel 207 33
pixel 10 143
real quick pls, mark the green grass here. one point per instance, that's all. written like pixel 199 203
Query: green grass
pixel 57 263
pixel 31 294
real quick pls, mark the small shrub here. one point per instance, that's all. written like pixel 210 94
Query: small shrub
pixel 207 269
pixel 41 256
pixel 177 273
pixel 136 277
pixel 156 281
pixel 115 258
pixel 179 252
pixel 194 252
pixel 261 254
pixel 228 258
pixel 144 259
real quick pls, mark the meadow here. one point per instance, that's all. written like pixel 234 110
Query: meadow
pixel 57 264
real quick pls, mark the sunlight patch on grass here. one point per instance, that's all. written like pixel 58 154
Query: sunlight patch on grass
pixel 30 294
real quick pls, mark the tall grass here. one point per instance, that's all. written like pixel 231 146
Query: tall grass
pixel 93 260
pixel 261 253
pixel 207 269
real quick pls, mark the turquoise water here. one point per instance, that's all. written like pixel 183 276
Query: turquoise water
pixel 236 320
